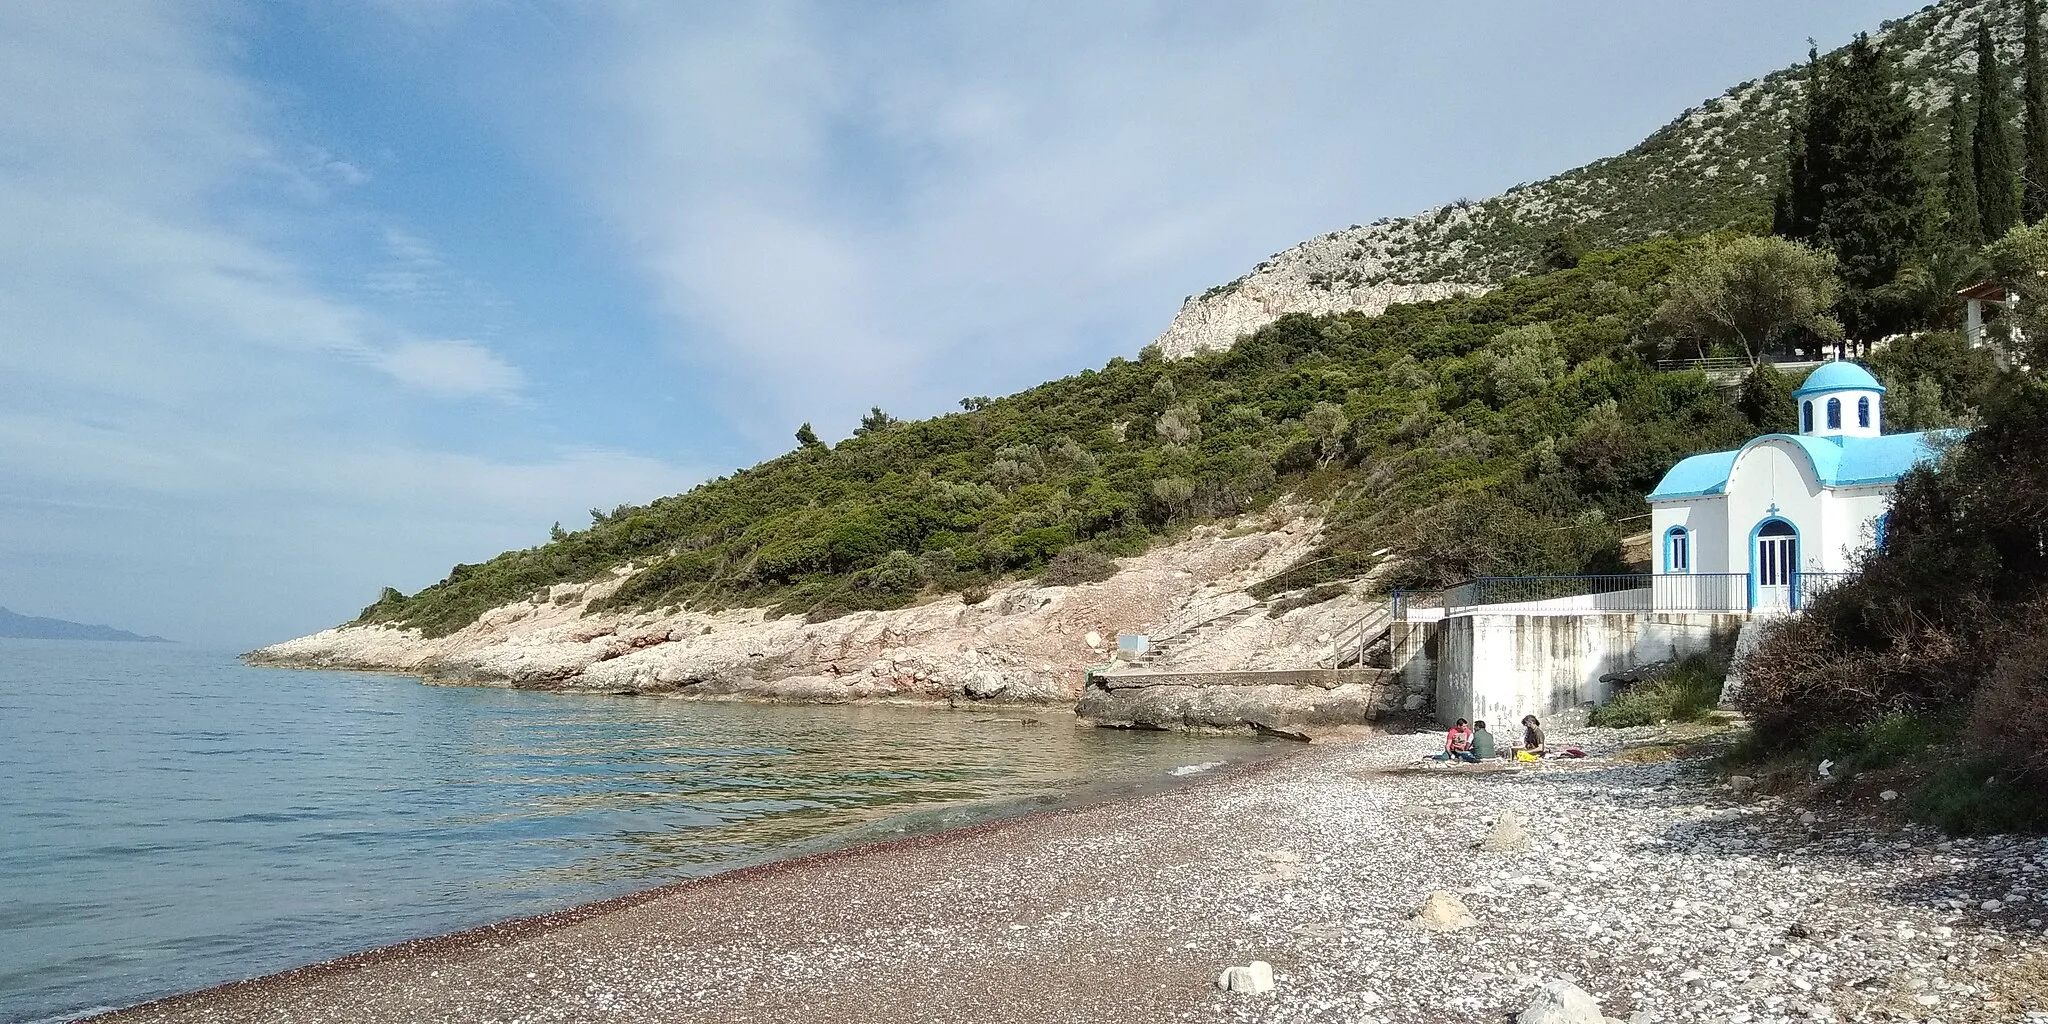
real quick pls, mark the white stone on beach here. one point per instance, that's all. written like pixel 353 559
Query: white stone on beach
pixel 1443 912
pixel 1561 1002
pixel 1507 836
pixel 1255 978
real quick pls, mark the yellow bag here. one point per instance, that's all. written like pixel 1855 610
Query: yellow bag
pixel 1526 755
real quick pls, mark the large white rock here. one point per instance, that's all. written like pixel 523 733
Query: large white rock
pixel 1443 912
pixel 1561 1002
pixel 1254 978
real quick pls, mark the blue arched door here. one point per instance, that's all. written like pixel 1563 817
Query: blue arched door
pixel 1774 564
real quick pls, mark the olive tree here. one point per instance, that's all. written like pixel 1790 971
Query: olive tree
pixel 1752 292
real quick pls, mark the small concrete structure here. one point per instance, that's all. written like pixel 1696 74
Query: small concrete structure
pixel 1499 667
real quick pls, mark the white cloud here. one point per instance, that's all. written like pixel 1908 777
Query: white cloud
pixel 450 368
pixel 199 436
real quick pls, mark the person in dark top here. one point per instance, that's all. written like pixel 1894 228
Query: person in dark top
pixel 1483 748
pixel 1532 737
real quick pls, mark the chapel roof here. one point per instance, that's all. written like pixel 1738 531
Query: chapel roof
pixel 1836 461
pixel 1838 376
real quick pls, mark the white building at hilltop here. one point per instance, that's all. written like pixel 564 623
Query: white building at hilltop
pixel 1787 506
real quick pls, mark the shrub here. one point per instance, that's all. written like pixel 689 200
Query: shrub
pixel 1315 595
pixel 2009 717
pixel 1077 565
pixel 1978 797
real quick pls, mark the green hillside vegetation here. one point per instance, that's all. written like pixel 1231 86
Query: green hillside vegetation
pixel 1510 433
pixel 1513 433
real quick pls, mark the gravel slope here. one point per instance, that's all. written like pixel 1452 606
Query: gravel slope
pixel 1669 899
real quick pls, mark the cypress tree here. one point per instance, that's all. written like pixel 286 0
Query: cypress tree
pixel 1998 200
pixel 1795 213
pixel 1963 222
pixel 2034 201
pixel 1871 195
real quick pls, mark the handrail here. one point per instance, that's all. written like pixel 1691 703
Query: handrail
pixel 1367 629
pixel 1254 588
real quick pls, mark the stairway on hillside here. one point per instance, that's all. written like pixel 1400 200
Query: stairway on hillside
pixel 1164 649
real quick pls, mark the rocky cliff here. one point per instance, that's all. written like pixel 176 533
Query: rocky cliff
pixel 1023 643
pixel 1713 167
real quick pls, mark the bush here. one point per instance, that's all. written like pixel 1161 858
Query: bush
pixel 2009 717
pixel 1077 565
pixel 1978 797
pixel 1689 693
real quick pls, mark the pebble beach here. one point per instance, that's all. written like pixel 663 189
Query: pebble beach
pixel 1631 874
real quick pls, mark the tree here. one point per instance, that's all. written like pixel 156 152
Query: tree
pixel 875 420
pixel 1965 221
pixel 1796 213
pixel 1751 293
pixel 1853 186
pixel 1327 423
pixel 1998 200
pixel 2034 199
pixel 1766 400
pixel 556 532
pixel 808 438
pixel 1564 250
pixel 976 403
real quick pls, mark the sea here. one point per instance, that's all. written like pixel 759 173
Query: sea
pixel 171 818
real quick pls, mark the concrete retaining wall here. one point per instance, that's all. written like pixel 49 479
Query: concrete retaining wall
pixel 1501 667
pixel 1300 704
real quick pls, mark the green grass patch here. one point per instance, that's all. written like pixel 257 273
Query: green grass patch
pixel 1972 797
pixel 1887 742
pixel 1689 694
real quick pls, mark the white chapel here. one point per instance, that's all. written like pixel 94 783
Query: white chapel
pixel 1785 506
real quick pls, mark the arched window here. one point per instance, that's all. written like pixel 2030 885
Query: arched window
pixel 1808 428
pixel 1863 411
pixel 1677 550
pixel 1834 414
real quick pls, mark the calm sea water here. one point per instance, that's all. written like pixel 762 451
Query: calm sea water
pixel 170 818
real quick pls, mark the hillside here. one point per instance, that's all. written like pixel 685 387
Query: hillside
pixel 33 627
pixel 1715 166
pixel 1524 413
pixel 1506 425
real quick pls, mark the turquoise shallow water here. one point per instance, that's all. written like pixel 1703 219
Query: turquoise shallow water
pixel 171 818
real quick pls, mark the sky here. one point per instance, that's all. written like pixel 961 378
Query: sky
pixel 302 298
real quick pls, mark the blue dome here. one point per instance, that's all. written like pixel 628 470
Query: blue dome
pixel 1838 376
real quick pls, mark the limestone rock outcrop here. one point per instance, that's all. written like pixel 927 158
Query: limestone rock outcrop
pixel 1024 643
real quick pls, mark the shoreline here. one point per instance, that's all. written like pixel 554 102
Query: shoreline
pixel 1669 897
pixel 811 854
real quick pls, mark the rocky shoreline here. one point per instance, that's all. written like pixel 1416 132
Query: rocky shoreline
pixel 1024 643
pixel 1378 889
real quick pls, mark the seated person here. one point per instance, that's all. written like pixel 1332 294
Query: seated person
pixel 1532 739
pixel 1483 748
pixel 1458 743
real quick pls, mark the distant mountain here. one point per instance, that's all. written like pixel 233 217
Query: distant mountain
pixel 1714 167
pixel 30 627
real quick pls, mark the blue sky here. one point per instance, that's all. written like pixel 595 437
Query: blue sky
pixel 299 298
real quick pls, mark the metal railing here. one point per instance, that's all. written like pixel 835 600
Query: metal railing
pixel 1632 592
pixel 1420 602
pixel 1352 644
pixel 1726 364
pixel 1809 585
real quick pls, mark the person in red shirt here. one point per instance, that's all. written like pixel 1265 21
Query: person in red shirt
pixel 1458 744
